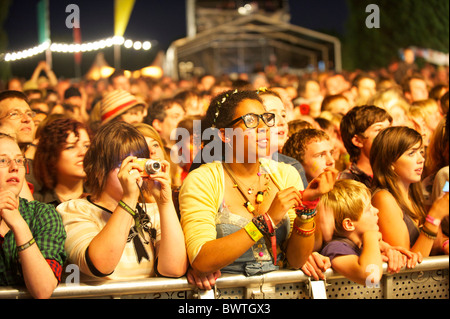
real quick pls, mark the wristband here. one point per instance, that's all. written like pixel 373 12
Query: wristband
pixel 127 208
pixel 308 204
pixel 253 231
pixel 305 213
pixel 273 239
pixel 305 232
pixel 432 220
pixel 265 226
pixel 302 220
pixel 26 245
pixel 428 233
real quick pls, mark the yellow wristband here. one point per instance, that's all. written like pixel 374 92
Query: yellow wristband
pixel 253 232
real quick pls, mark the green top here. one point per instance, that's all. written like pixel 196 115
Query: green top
pixel 48 230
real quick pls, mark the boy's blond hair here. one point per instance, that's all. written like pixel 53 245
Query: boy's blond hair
pixel 347 199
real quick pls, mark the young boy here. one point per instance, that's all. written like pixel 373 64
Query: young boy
pixel 358 129
pixel 355 249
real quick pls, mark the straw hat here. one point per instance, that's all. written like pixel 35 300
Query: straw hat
pixel 116 103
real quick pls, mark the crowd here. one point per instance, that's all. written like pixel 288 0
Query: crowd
pixel 254 173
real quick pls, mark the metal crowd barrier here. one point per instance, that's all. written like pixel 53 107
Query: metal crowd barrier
pixel 428 280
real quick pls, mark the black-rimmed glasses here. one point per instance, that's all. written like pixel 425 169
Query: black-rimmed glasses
pixel 251 120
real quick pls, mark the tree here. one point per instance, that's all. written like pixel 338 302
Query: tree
pixel 403 23
pixel 5 70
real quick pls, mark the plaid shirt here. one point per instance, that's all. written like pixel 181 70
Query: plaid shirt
pixel 48 231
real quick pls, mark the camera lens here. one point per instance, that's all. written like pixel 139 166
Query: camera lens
pixel 152 166
pixel 156 166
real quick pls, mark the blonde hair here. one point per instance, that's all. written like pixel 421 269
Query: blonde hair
pixel 428 107
pixel 149 131
pixel 334 118
pixel 389 98
pixel 347 199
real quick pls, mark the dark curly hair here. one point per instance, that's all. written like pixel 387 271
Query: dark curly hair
pixel 52 142
pixel 220 113
pixel 222 107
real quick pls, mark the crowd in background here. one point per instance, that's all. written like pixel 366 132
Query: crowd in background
pixel 73 134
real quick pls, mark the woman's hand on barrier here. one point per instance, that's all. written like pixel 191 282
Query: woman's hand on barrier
pixel 316 266
pixel 395 260
pixel 204 282
pixel 412 258
pixel 398 257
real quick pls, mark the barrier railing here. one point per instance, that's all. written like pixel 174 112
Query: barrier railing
pixel 430 279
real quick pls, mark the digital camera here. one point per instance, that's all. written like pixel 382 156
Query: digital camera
pixel 148 166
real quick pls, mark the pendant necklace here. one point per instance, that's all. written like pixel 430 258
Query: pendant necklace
pixel 259 195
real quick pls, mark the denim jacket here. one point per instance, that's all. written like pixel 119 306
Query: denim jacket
pixel 257 260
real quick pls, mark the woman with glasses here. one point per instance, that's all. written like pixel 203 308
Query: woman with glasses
pixel 16 119
pixel 238 214
pixel 32 234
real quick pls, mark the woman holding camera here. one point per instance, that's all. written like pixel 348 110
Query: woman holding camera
pixel 113 233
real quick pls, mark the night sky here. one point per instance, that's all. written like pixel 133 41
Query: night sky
pixel 162 22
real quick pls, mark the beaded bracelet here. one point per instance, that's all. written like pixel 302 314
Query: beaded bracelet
pixel 26 245
pixel 307 209
pixel 303 220
pixel 265 225
pixel 261 224
pixel 305 232
pixel 305 213
pixel 428 233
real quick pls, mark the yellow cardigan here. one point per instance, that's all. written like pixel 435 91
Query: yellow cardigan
pixel 202 193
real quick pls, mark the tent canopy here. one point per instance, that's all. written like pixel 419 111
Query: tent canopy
pixel 254 40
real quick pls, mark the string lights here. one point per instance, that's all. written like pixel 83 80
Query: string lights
pixel 76 47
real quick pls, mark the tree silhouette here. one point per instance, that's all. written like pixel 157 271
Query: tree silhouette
pixel 403 23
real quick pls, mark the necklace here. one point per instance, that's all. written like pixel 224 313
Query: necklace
pixel 259 195
pixel 250 189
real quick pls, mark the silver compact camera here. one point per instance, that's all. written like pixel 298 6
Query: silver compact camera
pixel 148 166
